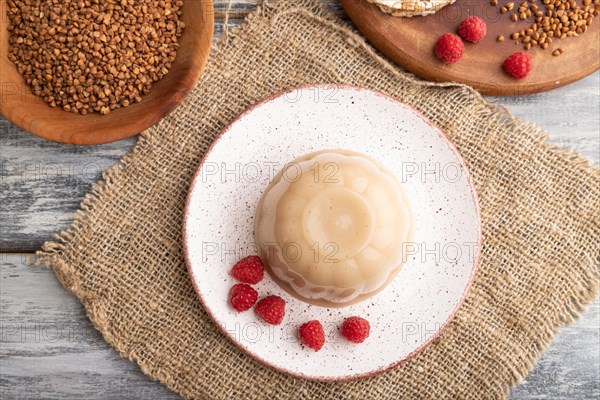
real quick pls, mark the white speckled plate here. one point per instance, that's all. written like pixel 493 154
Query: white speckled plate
pixel 424 296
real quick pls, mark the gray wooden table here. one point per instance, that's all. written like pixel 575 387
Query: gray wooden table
pixel 48 348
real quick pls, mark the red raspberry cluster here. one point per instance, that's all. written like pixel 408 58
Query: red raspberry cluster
pixel 449 47
pixel 271 309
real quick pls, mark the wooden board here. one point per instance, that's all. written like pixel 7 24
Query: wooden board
pixel 31 113
pixel 42 183
pixel 410 42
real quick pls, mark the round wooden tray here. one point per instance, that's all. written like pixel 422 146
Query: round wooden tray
pixel 410 41
pixel 31 113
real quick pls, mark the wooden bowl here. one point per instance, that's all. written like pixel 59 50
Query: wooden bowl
pixel 31 113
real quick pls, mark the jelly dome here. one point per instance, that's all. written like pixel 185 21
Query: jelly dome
pixel 332 226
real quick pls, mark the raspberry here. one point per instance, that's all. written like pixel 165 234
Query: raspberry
pixel 249 270
pixel 242 297
pixel 312 335
pixel 518 65
pixel 449 48
pixel 356 329
pixel 271 309
pixel 472 29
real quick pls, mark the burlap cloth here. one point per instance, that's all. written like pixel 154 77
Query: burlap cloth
pixel 123 256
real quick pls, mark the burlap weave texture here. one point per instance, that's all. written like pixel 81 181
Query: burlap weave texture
pixel 123 255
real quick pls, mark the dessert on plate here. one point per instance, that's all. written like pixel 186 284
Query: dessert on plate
pixel 410 8
pixel 332 226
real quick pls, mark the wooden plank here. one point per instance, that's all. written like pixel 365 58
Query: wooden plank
pixel 42 183
pixel 241 8
pixel 50 350
pixel 43 327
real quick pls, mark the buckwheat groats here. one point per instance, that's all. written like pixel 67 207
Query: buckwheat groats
pixel 91 55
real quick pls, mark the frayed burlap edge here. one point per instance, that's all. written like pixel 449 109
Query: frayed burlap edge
pixel 51 252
